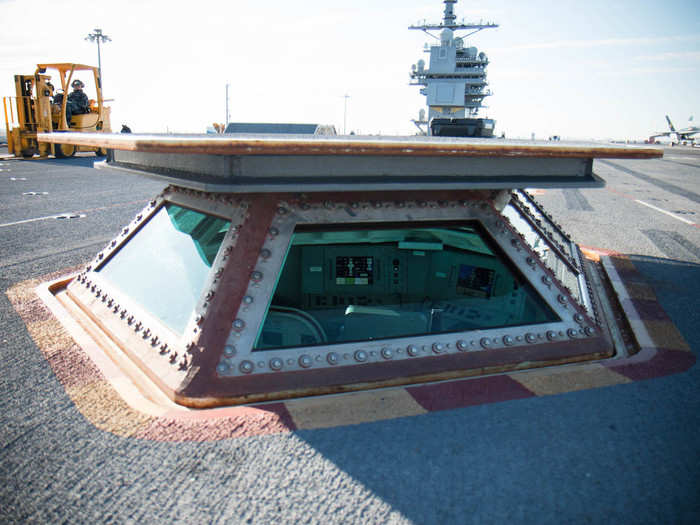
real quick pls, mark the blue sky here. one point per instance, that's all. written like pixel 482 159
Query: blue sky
pixel 578 69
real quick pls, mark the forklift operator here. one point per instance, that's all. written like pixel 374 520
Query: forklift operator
pixel 78 102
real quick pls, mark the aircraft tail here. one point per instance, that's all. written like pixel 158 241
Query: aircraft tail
pixel 670 124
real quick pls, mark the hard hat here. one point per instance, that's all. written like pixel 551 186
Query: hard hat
pixel 77 84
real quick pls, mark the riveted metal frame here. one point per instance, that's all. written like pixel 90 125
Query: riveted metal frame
pixel 213 362
pixel 555 238
pixel 164 355
pixel 247 374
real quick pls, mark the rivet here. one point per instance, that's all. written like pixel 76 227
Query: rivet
pixel 376 204
pixel 332 358
pixel 123 313
pixel 125 231
pixel 229 350
pixel 265 253
pixel 422 204
pixel 154 340
pixel 238 325
pixel 222 368
pixel 515 243
pixel 328 205
pixel 303 206
pixel 110 302
pixel 281 210
pixel 361 356
pixel 530 261
pixel 354 205
pixel 115 309
pixel 485 342
pixel 248 299
pixel 210 295
pixel 219 273
pixel 152 203
pixel 578 318
pixel 256 276
pixel 462 345
pixel 113 244
pixel 551 335
pixel 438 348
pixel 130 320
pixel 183 363
pixel 589 331
pixel 276 363
pixel 88 268
pixel 173 357
pixel 546 279
pixel 139 217
pixel 246 367
pixel 387 353
pixel 508 340
pixel 572 333
pixel 146 333
pixel 305 361
pixel 164 348
pixel 561 299
pixel 412 350
pixel 274 231
pixel 138 327
pixel 228 250
pixel 400 204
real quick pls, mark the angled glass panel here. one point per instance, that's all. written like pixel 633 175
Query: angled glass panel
pixel 537 240
pixel 342 284
pixel 164 266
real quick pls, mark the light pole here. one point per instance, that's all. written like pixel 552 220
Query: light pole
pixel 345 111
pixel 227 113
pixel 98 36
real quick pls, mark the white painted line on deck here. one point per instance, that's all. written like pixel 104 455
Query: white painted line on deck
pixel 59 216
pixel 665 212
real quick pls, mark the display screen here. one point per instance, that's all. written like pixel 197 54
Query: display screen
pixel 475 281
pixel 354 270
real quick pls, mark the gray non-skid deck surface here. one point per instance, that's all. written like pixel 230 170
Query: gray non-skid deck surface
pixel 623 454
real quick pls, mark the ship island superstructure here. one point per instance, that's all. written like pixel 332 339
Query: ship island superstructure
pixel 454 83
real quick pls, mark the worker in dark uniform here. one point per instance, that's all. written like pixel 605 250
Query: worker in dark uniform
pixel 78 102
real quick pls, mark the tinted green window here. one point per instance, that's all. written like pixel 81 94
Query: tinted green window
pixel 362 284
pixel 164 266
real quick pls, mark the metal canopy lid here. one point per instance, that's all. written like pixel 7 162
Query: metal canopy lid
pixel 244 163
pixel 296 145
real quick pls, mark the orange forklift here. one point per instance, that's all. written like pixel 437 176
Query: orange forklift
pixel 40 107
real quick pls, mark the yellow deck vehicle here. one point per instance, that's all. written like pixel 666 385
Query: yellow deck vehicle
pixel 40 107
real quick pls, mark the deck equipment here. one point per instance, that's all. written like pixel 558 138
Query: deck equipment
pixel 280 266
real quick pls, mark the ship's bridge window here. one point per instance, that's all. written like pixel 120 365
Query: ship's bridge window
pixel 347 283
